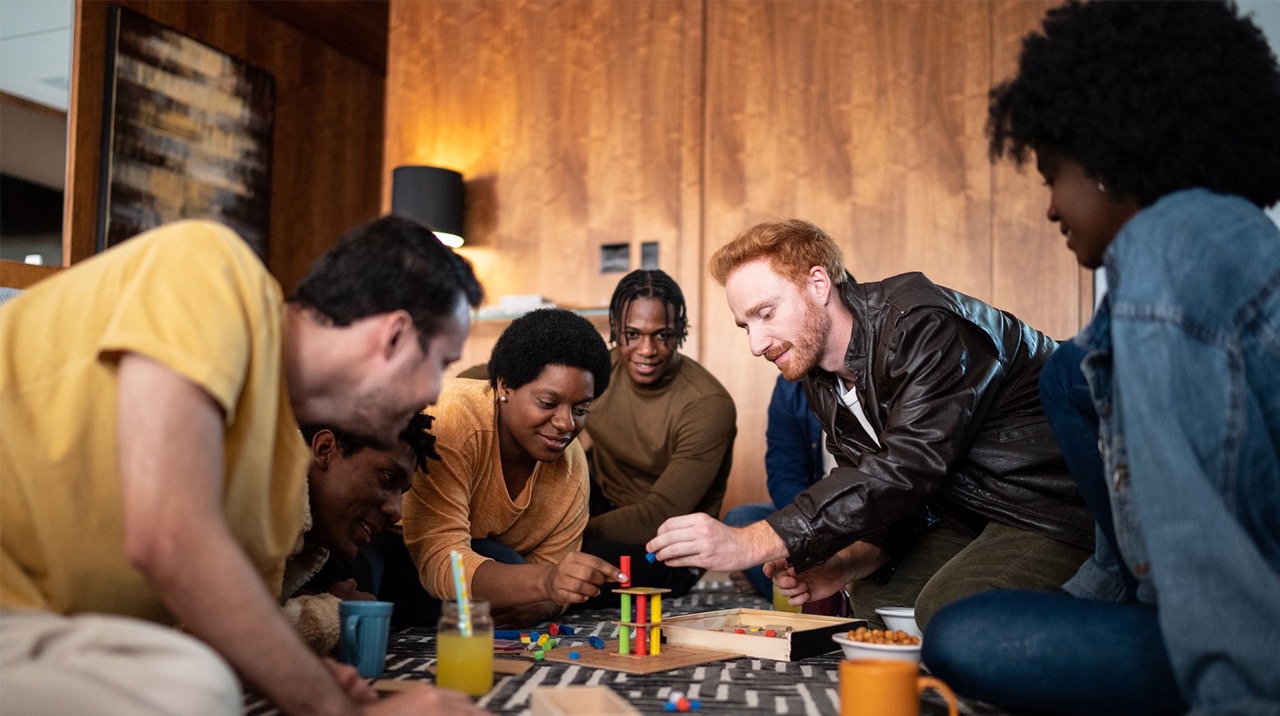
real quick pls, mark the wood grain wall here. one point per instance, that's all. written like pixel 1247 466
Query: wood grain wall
pixel 582 122
pixel 574 122
pixel 327 141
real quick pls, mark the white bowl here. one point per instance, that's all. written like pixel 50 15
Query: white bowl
pixel 900 619
pixel 863 650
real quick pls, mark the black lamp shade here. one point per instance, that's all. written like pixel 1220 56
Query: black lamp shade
pixel 432 196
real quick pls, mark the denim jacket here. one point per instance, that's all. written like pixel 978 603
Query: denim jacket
pixel 1183 363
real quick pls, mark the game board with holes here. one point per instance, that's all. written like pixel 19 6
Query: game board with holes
pixel 746 632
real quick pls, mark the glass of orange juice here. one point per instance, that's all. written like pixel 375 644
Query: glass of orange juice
pixel 465 663
pixel 780 602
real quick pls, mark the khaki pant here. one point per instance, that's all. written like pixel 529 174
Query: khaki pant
pixel 948 563
pixel 102 664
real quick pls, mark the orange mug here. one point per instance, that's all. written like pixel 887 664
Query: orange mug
pixel 881 687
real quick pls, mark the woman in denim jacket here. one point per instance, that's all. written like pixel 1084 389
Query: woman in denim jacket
pixel 1156 126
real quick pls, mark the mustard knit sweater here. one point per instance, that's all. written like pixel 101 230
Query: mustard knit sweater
pixel 463 495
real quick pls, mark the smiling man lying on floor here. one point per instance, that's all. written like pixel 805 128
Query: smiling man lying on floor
pixel 354 492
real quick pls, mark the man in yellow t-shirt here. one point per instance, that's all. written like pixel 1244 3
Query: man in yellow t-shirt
pixel 151 469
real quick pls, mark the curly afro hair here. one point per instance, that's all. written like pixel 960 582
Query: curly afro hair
pixel 1150 97
pixel 548 336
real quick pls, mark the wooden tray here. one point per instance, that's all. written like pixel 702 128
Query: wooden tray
pixel 569 700
pixel 810 635
pixel 671 656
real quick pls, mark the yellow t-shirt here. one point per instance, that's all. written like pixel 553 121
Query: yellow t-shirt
pixel 463 496
pixel 194 297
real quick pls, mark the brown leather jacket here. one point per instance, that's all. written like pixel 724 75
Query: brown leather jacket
pixel 951 387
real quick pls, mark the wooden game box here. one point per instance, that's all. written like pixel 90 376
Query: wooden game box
pixel 594 700
pixel 810 634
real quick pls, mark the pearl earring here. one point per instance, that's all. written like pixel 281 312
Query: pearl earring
pixel 1102 188
pixel 502 398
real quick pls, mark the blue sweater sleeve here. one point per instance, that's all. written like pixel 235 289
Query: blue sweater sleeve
pixel 793 452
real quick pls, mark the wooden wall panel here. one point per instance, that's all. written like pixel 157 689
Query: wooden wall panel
pixel 568 120
pixel 326 168
pixel 581 122
pixel 1035 277
pixel 871 128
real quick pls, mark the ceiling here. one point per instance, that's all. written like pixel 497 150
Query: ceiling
pixel 35 50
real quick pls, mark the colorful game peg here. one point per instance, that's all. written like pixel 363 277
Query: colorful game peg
pixel 624 636
pixel 596 642
pixel 651 557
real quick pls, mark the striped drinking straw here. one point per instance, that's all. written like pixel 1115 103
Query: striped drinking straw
pixel 460 590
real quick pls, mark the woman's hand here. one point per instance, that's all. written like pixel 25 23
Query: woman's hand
pixel 578 577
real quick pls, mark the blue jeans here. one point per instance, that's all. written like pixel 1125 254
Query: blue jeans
pixel 1180 360
pixel 497 551
pixel 1053 653
pixel 1064 394
pixel 744 515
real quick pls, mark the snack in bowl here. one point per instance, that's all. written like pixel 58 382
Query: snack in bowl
pixel 863 643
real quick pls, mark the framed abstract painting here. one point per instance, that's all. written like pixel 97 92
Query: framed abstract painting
pixel 186 134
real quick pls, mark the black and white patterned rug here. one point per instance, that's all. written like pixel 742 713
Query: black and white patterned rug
pixel 808 687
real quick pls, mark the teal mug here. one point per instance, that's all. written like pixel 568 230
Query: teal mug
pixel 363 641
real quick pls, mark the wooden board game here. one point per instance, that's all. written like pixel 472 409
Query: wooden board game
pixel 798 635
pixel 569 700
pixel 672 656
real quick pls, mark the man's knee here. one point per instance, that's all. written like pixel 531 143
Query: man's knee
pixel 932 599
pixel 175 672
pixel 958 579
pixel 111 665
pixel 213 686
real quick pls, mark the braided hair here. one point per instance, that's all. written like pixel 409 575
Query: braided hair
pixel 654 284
pixel 417 435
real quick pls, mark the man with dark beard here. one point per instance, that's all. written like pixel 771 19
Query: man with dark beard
pixel 948 480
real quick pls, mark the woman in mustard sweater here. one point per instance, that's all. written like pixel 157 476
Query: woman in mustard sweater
pixel 510 489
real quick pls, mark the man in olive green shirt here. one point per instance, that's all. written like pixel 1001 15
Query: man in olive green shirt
pixel 661 436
